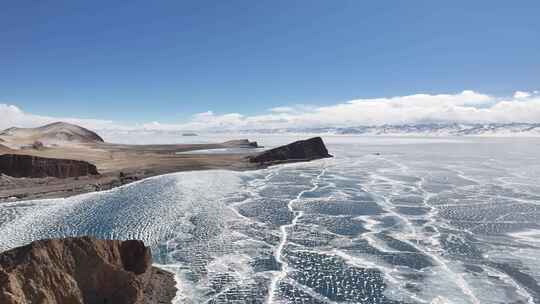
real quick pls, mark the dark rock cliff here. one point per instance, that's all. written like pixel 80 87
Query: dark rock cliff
pixel 302 150
pixel 17 165
pixel 83 270
pixel 241 143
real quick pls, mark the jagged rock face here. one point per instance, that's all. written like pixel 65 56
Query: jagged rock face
pixel 17 165
pixel 83 270
pixel 301 150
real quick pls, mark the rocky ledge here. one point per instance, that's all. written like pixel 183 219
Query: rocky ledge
pixel 18 165
pixel 302 150
pixel 241 143
pixel 83 270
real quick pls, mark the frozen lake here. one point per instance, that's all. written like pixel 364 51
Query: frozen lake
pixel 387 220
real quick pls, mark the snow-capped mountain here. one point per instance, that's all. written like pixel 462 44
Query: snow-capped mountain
pixel 428 129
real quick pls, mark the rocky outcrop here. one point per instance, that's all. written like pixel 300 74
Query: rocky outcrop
pixel 18 165
pixel 302 150
pixel 83 270
pixel 241 143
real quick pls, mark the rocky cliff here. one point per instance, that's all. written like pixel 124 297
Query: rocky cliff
pixel 17 165
pixel 302 150
pixel 83 270
pixel 241 143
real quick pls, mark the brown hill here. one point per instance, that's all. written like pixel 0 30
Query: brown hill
pixel 57 133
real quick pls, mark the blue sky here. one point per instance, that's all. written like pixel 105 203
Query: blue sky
pixel 135 61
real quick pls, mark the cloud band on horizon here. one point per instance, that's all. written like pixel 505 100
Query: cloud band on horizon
pixel 465 107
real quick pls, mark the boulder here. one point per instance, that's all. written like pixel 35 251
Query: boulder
pixel 19 165
pixel 83 270
pixel 37 145
pixel 302 150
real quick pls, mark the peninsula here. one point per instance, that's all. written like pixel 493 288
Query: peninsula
pixel 62 159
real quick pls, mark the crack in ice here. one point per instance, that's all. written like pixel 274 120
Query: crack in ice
pixel 278 254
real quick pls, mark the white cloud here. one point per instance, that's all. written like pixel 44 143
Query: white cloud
pixel 521 94
pixel 294 109
pixel 282 109
pixel 12 116
pixel 467 107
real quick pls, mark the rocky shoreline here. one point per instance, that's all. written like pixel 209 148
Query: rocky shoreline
pixel 77 270
pixel 66 168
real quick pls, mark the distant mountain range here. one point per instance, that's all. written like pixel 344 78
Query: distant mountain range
pixel 429 129
pixel 424 129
